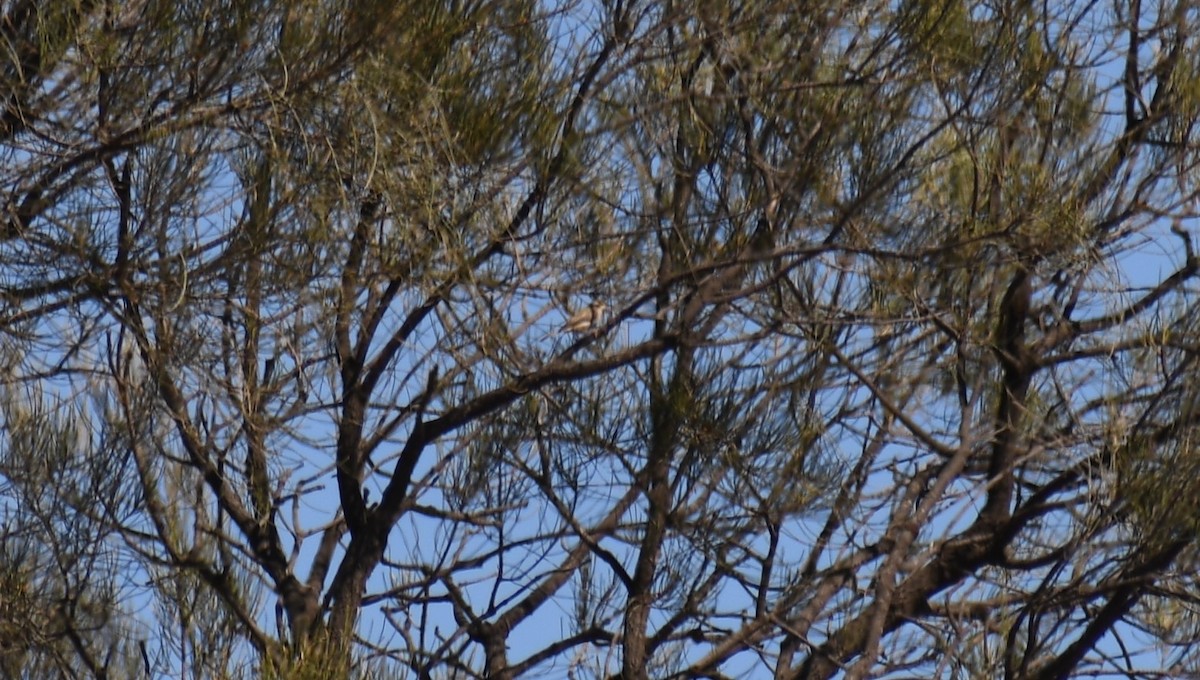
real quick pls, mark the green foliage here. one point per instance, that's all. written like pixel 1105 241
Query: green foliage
pixel 894 376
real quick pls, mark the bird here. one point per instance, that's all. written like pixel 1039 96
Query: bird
pixel 585 319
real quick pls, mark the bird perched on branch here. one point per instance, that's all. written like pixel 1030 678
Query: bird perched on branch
pixel 585 319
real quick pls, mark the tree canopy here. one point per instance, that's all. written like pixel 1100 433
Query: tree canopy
pixel 897 375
